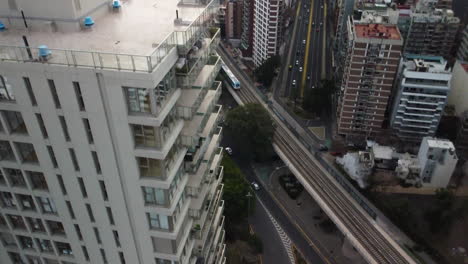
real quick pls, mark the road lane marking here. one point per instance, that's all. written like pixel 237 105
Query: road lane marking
pixel 306 57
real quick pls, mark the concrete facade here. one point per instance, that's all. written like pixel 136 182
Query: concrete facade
pixel 233 19
pixel 108 157
pixel 374 51
pixel 462 53
pixel 422 91
pixel 437 160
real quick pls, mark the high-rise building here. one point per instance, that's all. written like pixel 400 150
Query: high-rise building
pixel 266 29
pixel 374 51
pixel 422 90
pixel 437 160
pixel 462 53
pixel 432 32
pixel 233 19
pixel 247 28
pixel 109 144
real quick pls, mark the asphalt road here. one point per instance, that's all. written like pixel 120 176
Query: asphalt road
pixel 305 64
pixel 267 232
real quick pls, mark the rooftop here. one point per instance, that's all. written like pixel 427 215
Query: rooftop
pixel 377 31
pixel 439 143
pixel 137 28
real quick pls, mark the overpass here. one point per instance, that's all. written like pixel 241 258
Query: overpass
pixel 351 213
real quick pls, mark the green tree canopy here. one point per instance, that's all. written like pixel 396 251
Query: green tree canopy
pixel 252 130
pixel 266 71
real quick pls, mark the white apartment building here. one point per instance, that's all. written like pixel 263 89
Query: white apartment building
pixel 109 144
pixel 422 93
pixel 266 29
pixel 437 161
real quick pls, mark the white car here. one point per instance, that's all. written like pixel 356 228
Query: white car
pixel 303 41
pixel 255 186
pixel 294 82
pixel 300 69
pixel 228 150
pixel 297 62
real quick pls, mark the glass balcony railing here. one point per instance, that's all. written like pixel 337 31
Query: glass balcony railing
pixel 113 61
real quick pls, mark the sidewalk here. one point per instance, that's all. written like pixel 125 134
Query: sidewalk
pixel 306 214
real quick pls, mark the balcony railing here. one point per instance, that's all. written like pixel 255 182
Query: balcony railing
pixel 114 61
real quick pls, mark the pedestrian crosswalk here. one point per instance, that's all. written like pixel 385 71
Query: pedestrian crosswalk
pixel 283 236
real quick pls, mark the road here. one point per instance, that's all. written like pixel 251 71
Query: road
pixel 327 188
pixel 306 63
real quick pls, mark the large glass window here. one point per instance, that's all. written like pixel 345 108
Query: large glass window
pixel 138 100
pixel 15 122
pixel 55 228
pixel 37 180
pixel 7 200
pixel 26 242
pixel 157 221
pixel 150 167
pixel 154 196
pixel 17 222
pixel 47 205
pixel 144 136
pixel 6 152
pixel 35 224
pixel 8 240
pixel 6 91
pixel 64 248
pixel 45 245
pixel 15 177
pixel 26 202
pixel 27 152
pixel 164 88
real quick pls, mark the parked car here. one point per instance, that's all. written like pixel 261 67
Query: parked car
pixel 255 186
pixel 323 147
pixel 228 150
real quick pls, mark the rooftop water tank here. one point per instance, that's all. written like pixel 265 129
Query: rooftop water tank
pixel 88 21
pixel 44 51
pixel 116 4
pixel 2 26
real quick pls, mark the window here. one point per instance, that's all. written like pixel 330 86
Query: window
pixel 122 257
pixel 47 205
pixel 26 202
pixel 8 240
pixel 45 245
pixel 103 255
pixel 79 96
pixel 7 200
pixel 55 228
pixel 150 167
pixel 63 123
pixel 90 213
pixel 3 223
pixel 6 91
pixel 70 209
pixel 26 242
pixel 110 216
pixel 63 248
pixel 144 136
pixel 62 184
pixel 26 152
pixel 15 122
pixel 85 252
pixel 6 152
pixel 52 156
pixel 82 187
pixel 2 178
pixel 42 125
pixel 157 221
pixel 138 100
pixel 37 180
pixel 163 261
pixel 96 162
pixel 15 177
pixel 98 236
pixel 89 132
pixel 17 222
pixel 103 190
pixel 53 91
pixel 154 196
pixel 78 232
pixel 116 238
pixel 74 160
pixel 27 83
pixel 35 224
pixel 33 260
pixel 15 258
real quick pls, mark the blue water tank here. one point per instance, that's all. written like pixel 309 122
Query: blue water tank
pixel 44 51
pixel 116 4
pixel 2 26
pixel 88 21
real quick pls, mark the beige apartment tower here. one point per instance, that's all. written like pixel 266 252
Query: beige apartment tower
pixel 109 143
pixel 374 51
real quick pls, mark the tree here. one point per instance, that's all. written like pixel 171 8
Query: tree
pixel 266 71
pixel 252 130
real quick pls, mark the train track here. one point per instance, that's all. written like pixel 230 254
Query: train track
pixel 374 242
